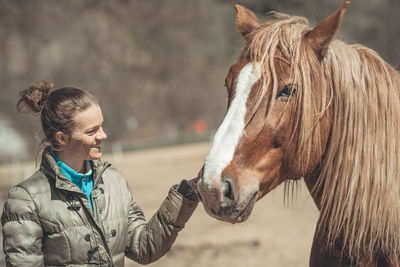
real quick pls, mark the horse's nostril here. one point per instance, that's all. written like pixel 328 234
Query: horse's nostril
pixel 227 189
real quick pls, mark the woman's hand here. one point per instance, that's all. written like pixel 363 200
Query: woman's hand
pixel 193 184
pixel 188 188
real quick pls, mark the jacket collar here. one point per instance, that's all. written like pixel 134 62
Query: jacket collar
pixel 50 167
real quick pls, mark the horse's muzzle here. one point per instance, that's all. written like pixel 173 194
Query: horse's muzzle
pixel 220 201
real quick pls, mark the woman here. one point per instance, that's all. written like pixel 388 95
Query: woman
pixel 77 210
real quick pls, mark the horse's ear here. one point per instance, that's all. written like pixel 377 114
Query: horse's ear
pixel 246 20
pixel 321 36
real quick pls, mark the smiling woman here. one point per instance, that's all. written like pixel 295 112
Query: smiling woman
pixel 77 210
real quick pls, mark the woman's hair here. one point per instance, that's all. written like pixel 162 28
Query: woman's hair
pixel 57 107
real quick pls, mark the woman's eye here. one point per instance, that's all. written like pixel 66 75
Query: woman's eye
pixel 287 91
pixel 91 132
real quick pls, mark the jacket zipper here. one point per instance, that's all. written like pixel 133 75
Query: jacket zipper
pixel 101 227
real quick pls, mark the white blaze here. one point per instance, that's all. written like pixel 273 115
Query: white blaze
pixel 231 129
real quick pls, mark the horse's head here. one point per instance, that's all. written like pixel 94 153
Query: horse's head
pixel 277 121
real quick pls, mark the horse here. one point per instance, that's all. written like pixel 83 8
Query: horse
pixel 305 106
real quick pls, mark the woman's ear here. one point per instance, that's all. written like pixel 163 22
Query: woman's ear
pixel 62 138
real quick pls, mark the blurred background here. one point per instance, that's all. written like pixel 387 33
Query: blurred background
pixel 156 66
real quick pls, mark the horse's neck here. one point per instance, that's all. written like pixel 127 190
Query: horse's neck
pixel 310 183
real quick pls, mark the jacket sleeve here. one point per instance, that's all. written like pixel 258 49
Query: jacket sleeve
pixel 22 233
pixel 148 241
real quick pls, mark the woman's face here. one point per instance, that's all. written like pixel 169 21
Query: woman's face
pixel 87 134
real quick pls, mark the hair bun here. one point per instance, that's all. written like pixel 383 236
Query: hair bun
pixel 34 97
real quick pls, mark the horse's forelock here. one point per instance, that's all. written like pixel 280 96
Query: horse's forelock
pixel 284 36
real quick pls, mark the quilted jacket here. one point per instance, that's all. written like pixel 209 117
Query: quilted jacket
pixel 47 220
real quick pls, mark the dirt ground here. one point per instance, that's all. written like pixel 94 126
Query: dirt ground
pixel 276 234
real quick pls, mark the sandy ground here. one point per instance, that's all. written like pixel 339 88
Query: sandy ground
pixel 276 234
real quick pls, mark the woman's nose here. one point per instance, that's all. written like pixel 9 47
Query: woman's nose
pixel 102 135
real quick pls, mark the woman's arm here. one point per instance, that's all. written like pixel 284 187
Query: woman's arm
pixel 148 241
pixel 22 233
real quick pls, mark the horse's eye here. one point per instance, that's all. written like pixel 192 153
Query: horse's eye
pixel 287 91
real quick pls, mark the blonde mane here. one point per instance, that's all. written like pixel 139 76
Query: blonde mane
pixel 358 179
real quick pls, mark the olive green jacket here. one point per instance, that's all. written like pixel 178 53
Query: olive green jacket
pixel 47 221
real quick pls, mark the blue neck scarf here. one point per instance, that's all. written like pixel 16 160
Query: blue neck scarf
pixel 82 180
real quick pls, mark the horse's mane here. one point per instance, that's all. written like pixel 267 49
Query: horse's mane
pixel 358 179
